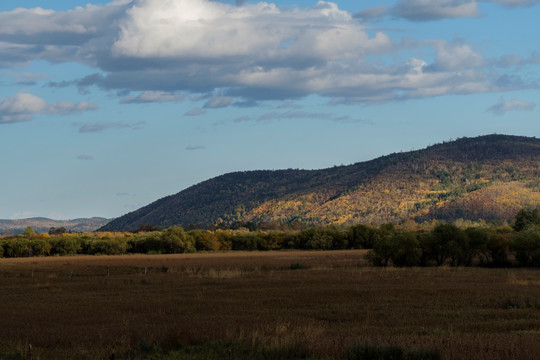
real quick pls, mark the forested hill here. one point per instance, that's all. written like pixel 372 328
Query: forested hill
pixel 43 225
pixel 489 177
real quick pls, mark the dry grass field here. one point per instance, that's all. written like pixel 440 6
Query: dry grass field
pixel 230 305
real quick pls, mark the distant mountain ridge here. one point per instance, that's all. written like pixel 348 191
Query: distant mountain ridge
pixel 488 177
pixel 41 225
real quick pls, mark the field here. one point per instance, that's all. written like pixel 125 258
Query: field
pixel 249 305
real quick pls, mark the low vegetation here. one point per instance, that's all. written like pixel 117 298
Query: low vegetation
pixel 437 245
pixel 319 305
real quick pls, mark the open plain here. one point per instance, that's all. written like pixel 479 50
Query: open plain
pixel 240 305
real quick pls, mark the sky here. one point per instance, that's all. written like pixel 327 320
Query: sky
pixel 107 106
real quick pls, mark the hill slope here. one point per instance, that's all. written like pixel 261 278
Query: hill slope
pixel 489 177
pixel 41 225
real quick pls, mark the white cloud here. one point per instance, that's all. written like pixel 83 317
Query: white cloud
pixel 504 106
pixel 456 56
pixel 195 112
pixel 428 10
pixel 514 3
pixel 102 126
pixel 238 55
pixel 152 97
pixel 218 102
pixel 372 13
pixel 202 29
pixel 23 106
pixel 26 78
pixel 425 10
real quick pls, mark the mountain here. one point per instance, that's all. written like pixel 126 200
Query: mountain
pixel 489 177
pixel 41 225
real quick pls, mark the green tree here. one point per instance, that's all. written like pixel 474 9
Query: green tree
pixel 447 243
pixel 175 241
pixel 526 246
pixel 526 218
pixel 29 233
pixel 57 231
pixel 65 245
pixel 498 247
pixel 406 250
pixel 361 237
pixel 204 240
pixel 477 240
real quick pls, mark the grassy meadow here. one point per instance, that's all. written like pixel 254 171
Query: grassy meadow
pixel 261 305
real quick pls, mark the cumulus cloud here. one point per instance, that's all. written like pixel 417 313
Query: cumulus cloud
pixel 428 10
pixel 425 10
pixel 26 78
pixel 455 56
pixel 246 54
pixel 195 112
pixel 102 126
pixel 373 13
pixel 23 106
pixel 152 97
pixel 515 3
pixel 218 102
pixel 504 106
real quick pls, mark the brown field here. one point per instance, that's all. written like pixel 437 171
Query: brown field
pixel 322 302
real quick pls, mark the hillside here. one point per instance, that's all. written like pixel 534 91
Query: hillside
pixel 489 177
pixel 41 225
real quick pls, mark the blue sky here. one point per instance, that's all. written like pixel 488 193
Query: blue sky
pixel 106 106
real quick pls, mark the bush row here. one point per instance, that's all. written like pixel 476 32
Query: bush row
pixel 445 244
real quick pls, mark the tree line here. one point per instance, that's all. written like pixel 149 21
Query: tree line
pixel 443 244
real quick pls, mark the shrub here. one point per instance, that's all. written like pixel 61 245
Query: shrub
pixel 1 249
pixel 526 218
pixel 381 253
pixel 204 240
pixel 65 246
pixel 175 241
pixel 17 247
pixel 106 246
pixel 405 249
pixel 477 240
pixel 361 237
pixel 402 249
pixel 340 238
pixel 298 266
pixel 145 244
pixel 319 241
pixel 273 240
pixel 448 243
pixel 366 351
pixel 224 238
pixel 29 233
pixel 244 240
pixel 423 354
pixel 40 247
pixel 497 250
pixel 526 246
